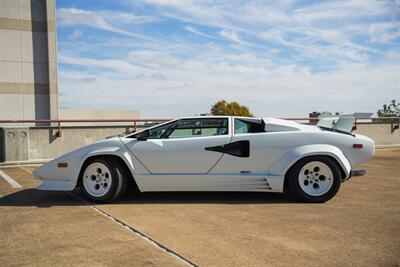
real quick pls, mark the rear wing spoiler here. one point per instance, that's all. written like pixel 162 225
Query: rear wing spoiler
pixel 342 123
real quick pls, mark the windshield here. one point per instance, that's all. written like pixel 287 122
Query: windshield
pixel 154 131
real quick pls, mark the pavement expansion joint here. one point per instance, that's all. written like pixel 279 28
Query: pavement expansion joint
pixel 138 233
pixel 133 230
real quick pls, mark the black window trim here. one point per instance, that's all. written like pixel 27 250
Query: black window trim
pixel 166 134
pixel 173 122
pixel 169 130
pixel 258 121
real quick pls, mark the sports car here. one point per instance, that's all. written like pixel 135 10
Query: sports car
pixel 216 153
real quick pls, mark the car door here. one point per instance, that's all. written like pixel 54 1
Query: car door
pixel 260 148
pixel 181 147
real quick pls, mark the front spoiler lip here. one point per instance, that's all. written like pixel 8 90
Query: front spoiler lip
pixel 36 175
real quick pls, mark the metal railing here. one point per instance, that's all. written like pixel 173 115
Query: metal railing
pixel 394 121
pixel 134 123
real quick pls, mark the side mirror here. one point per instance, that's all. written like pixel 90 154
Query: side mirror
pixel 142 136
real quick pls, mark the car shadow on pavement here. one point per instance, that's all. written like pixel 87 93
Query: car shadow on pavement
pixel 38 198
pixel 205 198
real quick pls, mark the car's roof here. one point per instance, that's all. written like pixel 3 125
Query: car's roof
pixel 215 116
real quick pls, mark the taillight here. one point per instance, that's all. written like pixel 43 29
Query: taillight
pixel 358 146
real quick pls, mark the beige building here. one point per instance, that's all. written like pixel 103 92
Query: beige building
pixel 28 65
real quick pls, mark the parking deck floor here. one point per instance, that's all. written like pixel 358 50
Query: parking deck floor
pixel 360 226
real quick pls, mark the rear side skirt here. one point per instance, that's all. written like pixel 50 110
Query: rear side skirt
pixel 245 182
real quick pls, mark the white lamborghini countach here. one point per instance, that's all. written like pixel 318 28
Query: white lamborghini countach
pixel 216 153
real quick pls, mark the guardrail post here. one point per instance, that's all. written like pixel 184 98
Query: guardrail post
pixel 394 125
pixel 58 133
pixel 355 125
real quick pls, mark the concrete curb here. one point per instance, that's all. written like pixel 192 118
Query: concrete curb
pixel 394 146
pixel 33 162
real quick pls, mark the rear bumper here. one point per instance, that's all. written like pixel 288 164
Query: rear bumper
pixel 358 173
pixel 355 173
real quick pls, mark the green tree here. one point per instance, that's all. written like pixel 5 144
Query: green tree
pixel 231 109
pixel 390 110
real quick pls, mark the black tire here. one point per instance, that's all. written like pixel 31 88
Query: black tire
pixel 297 193
pixel 118 184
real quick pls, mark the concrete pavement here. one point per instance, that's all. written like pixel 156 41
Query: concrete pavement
pixel 360 226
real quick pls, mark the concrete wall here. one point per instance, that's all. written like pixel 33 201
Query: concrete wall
pixel 15 144
pixel 36 143
pixel 28 65
pixel 44 143
pixel 98 114
pixel 382 134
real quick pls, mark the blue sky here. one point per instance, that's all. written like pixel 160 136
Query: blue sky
pixel 280 58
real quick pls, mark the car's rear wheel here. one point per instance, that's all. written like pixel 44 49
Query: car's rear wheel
pixel 103 180
pixel 314 179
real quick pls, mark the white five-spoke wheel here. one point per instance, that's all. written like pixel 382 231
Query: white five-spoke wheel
pixel 103 179
pixel 97 179
pixel 314 179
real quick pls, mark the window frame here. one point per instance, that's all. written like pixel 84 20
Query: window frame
pixel 250 120
pixel 167 133
pixel 133 135
pixel 176 121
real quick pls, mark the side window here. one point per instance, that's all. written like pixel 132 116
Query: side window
pixel 243 126
pixel 200 127
pixel 156 132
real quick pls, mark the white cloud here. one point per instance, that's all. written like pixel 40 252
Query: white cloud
pixel 75 35
pixel 276 57
pixel 153 58
pixel 335 10
pixel 103 20
pixel 195 31
pixel 304 27
pixel 384 32
pixel 267 88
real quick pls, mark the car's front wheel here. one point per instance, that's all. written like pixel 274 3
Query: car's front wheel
pixel 314 179
pixel 103 180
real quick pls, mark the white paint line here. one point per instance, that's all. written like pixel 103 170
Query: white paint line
pixel 137 233
pixel 25 169
pixel 10 180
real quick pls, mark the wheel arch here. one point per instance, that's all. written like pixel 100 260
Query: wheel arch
pixel 287 161
pixel 342 173
pixel 125 163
